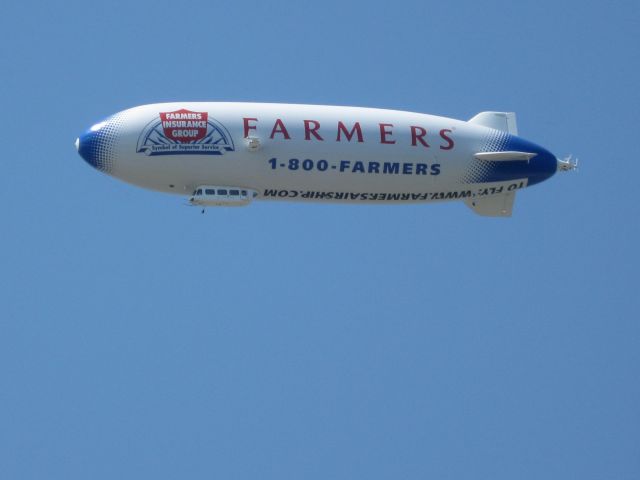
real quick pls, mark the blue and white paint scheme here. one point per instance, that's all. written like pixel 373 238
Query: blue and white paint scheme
pixel 233 153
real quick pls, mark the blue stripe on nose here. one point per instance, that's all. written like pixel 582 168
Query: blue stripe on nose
pixel 542 166
pixel 95 146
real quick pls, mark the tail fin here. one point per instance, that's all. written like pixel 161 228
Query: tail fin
pixel 505 121
pixel 498 205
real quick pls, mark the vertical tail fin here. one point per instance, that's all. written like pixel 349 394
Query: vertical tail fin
pixel 499 205
pixel 505 121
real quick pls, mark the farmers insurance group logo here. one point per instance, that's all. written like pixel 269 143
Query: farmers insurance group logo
pixel 184 132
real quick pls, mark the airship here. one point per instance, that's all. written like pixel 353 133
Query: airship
pixel 231 154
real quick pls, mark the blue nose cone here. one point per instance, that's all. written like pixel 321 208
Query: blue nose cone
pixel 95 146
pixel 542 166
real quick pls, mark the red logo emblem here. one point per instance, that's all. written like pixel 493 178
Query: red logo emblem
pixel 184 126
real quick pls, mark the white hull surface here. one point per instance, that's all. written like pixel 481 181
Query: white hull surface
pixel 319 153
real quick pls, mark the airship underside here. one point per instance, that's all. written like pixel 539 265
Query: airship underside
pixel 232 153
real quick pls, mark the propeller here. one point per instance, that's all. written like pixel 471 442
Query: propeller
pixel 567 164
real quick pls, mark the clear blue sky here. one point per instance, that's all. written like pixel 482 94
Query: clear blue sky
pixel 140 339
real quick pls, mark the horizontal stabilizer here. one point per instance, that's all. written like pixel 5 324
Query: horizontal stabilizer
pixel 504 156
pixel 499 205
pixel 505 121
